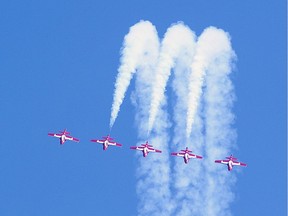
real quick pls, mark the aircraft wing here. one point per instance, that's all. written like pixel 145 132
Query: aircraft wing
pixel 98 141
pixel 72 138
pixel 180 154
pixel 114 143
pixel 137 148
pixel 54 135
pixel 222 161
pixel 236 163
pixel 153 150
pixel 194 156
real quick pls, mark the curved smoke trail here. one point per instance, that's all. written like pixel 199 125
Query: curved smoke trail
pixel 141 49
pixel 133 48
pixel 208 48
pixel 176 38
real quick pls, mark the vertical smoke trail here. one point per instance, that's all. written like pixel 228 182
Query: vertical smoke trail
pixel 133 46
pixel 153 173
pixel 176 52
pixel 187 178
pixel 176 37
pixel 220 136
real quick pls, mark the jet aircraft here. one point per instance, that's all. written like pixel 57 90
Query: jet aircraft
pixel 186 154
pixel 145 148
pixel 106 141
pixel 63 136
pixel 230 162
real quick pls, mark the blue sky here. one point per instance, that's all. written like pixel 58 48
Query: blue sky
pixel 59 61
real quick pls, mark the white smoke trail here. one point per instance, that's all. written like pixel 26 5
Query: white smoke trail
pixel 174 40
pixel 177 46
pixel 153 173
pixel 186 177
pixel 207 49
pixel 141 48
pixel 133 46
pixel 204 186
pixel 200 183
pixel 220 136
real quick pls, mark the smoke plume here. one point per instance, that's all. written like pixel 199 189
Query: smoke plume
pixel 202 117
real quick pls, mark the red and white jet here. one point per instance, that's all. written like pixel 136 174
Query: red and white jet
pixel 145 148
pixel 63 136
pixel 186 154
pixel 230 162
pixel 106 141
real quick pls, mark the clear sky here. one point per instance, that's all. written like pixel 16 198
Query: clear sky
pixel 58 63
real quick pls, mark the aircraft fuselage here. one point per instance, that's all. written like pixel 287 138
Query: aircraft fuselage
pixel 186 158
pixel 230 165
pixel 62 139
pixel 105 145
pixel 145 152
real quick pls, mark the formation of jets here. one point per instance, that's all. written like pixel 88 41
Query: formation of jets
pixel 147 148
